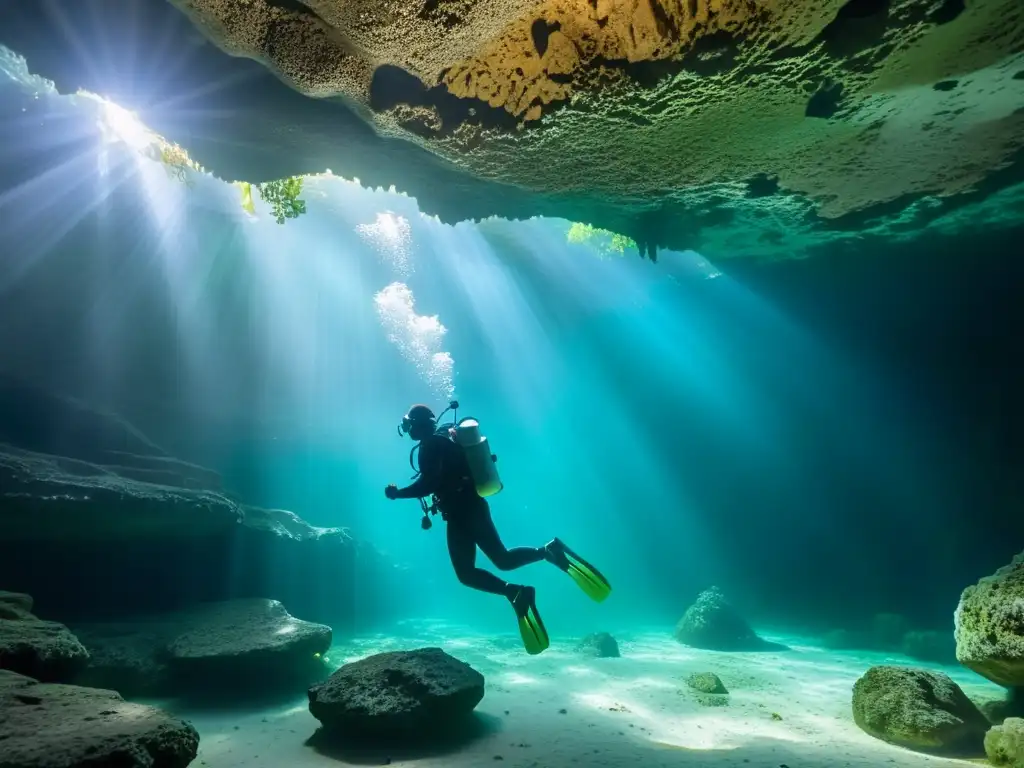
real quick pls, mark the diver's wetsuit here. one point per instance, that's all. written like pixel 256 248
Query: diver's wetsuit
pixel 445 473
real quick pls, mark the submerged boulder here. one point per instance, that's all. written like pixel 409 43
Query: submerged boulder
pixel 706 682
pixel 1004 744
pixel 239 639
pixel 713 624
pixel 44 650
pixel 919 709
pixel 398 692
pixel 65 726
pixel 600 645
pixel 989 625
pixel 252 644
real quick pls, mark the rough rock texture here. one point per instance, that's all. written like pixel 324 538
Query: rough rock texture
pixel 71 530
pixel 918 709
pixel 240 646
pixel 245 637
pixel 44 650
pixel 62 726
pixel 11 602
pixel 600 645
pixel 1004 744
pixel 666 121
pixel 706 682
pixel 989 625
pixel 712 623
pixel 396 692
pixel 929 645
pixel 45 422
pixel 53 498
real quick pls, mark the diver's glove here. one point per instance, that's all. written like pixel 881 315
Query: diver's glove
pixel 391 491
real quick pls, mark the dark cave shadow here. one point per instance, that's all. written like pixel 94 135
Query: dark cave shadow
pixel 232 700
pixel 389 748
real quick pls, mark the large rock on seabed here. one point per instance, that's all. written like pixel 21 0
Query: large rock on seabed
pixel 713 623
pixel 44 650
pixel 237 647
pixel 919 709
pixel 396 693
pixel 66 726
pixel 989 625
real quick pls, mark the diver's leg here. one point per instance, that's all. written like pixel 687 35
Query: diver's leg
pixel 462 550
pixel 480 528
pixel 589 579
pixel 489 541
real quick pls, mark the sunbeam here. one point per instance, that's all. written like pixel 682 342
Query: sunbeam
pixel 728 494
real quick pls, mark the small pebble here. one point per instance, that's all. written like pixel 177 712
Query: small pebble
pixel 563 711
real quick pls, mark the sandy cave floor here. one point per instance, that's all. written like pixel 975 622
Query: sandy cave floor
pixel 563 709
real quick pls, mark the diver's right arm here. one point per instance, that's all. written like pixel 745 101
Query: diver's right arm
pixel 431 461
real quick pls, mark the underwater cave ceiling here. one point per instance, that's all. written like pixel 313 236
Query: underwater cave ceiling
pixel 659 119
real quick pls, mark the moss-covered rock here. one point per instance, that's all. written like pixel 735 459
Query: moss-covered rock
pixel 706 682
pixel 1004 744
pixel 43 650
pixel 712 623
pixel 989 625
pixel 918 709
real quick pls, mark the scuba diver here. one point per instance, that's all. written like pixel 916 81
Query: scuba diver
pixel 457 470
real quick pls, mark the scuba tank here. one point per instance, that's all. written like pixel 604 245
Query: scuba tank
pixel 466 434
pixel 483 466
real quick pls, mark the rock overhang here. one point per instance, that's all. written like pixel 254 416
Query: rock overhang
pixel 757 129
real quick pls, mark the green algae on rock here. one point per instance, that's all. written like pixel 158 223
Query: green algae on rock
pixel 919 709
pixel 989 625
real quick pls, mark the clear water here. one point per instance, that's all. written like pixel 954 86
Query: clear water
pixel 669 423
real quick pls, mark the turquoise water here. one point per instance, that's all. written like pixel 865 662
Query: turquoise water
pixel 681 424
pixel 668 421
